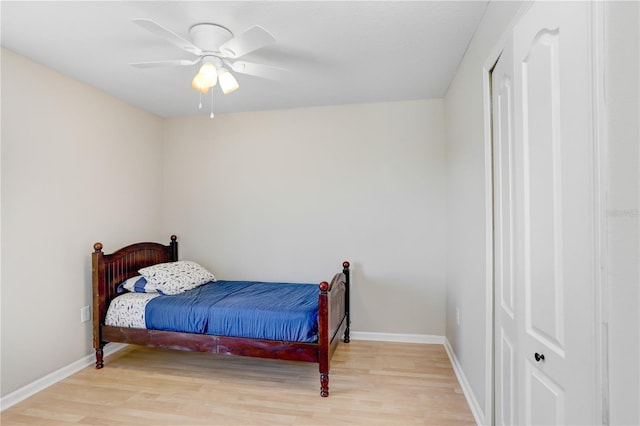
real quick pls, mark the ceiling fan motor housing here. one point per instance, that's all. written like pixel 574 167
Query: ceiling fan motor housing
pixel 209 37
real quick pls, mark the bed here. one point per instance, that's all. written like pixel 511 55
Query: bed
pixel 111 270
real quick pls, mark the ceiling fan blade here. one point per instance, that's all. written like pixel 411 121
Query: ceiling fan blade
pixel 171 62
pixel 258 70
pixel 167 34
pixel 252 39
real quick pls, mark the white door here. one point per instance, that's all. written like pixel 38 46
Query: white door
pixel 505 326
pixel 544 220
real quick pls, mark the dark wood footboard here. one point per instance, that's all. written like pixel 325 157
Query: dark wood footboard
pixel 109 270
pixel 333 321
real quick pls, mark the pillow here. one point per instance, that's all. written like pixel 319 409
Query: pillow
pixel 139 284
pixel 176 277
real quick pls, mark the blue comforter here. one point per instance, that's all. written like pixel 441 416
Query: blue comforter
pixel 259 310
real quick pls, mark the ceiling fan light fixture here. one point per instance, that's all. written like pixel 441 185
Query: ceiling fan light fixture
pixel 213 45
pixel 228 83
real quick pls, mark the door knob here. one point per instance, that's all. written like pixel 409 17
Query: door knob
pixel 539 357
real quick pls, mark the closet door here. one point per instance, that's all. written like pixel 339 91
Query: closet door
pixel 506 326
pixel 545 212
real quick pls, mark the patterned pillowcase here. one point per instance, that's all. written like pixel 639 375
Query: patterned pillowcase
pixel 176 277
pixel 139 284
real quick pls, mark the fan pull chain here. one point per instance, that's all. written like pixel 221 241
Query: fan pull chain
pixel 211 116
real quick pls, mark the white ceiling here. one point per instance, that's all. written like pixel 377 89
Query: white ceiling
pixel 336 52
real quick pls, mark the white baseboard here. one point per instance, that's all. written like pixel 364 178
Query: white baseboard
pixel 44 382
pixel 393 337
pixel 476 410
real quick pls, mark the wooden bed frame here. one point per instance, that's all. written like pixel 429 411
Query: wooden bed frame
pixel 109 270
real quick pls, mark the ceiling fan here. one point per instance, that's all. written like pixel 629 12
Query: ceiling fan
pixel 216 48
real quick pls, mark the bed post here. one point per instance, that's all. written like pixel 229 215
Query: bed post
pixel 174 248
pixel 98 304
pixel 345 271
pixel 323 338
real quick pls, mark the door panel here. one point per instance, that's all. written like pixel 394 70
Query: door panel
pixel 507 390
pixel 543 391
pixel 542 168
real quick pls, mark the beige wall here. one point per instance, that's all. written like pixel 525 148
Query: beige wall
pixel 78 166
pixel 289 195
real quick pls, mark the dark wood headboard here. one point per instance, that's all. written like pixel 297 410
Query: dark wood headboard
pixel 109 270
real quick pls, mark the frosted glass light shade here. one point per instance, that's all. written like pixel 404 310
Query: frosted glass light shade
pixel 208 74
pixel 228 82
pixel 198 84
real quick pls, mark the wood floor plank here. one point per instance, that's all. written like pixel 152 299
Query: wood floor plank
pixel 373 383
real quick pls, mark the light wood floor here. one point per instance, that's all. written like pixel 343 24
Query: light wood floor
pixel 370 383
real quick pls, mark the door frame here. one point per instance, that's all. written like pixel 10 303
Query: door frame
pixel 599 132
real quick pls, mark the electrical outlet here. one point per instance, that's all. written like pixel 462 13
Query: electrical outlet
pixel 85 313
pixel 457 315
